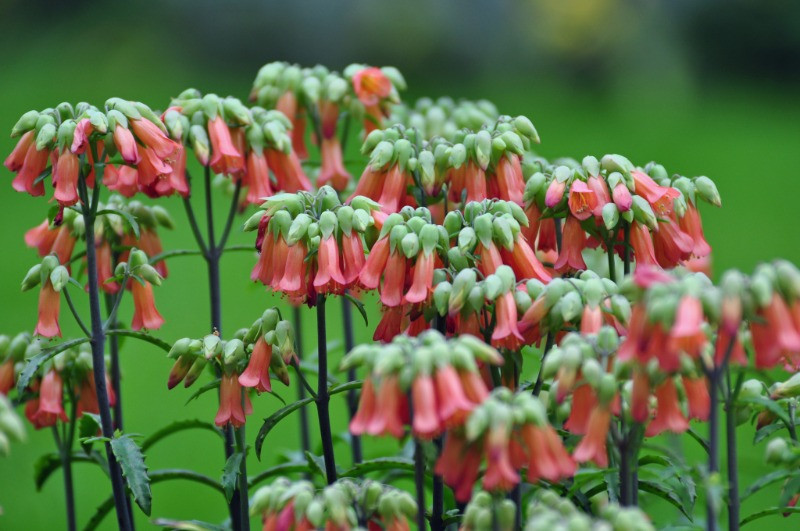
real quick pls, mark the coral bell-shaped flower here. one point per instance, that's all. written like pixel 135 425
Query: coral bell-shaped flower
pixel 41 237
pixel 574 241
pixel 775 338
pixel 394 279
pixel 510 183
pixel 126 144
pixel 371 86
pixel 16 158
pixel 686 333
pixel 230 402
pixel 697 397
pixel 6 375
pixel 555 192
pixel 375 263
pixel 225 157
pixel 145 314
pixel 288 171
pixel 366 408
pixel 329 277
pixel 582 200
pixel 642 244
pixel 257 175
pixel 524 261
pixel 50 408
pixel 33 165
pixel 257 372
pixel 593 445
pixel 49 306
pixel 659 197
pixel 332 171
pixel 154 138
pixel 387 418
pixel 353 258
pixel 425 422
pixel 453 405
pixel 668 415
pixel 691 224
pixel 506 333
pixel 500 475
pixel 671 244
pixel 459 464
pixel 65 178
pixel 87 395
pixel 546 457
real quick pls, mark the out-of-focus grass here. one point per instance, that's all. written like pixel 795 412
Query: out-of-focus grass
pixel 746 139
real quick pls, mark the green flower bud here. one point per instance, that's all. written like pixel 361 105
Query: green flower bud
pixel 149 273
pixel 777 451
pixel 32 278
pixel 643 212
pixel 610 216
pixel 441 297
pixel 59 278
pixel 707 190
pixel 25 123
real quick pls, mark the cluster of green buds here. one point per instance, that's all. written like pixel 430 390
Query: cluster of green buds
pixel 510 431
pixel 441 377
pixel 550 511
pixel 583 303
pixel 11 428
pixel 310 243
pixel 444 117
pixel 287 504
pixel 486 513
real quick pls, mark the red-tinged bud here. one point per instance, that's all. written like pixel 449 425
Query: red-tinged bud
pixel 145 314
pixel 179 370
pixel 591 319
pixel 622 197
pixel 555 192
pixel 126 144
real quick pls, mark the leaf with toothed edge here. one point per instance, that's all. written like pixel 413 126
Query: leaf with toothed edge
pixel 134 470
pixel 230 474
pixel 359 306
pixel 33 364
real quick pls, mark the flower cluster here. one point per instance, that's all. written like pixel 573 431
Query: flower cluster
pixel 441 378
pixel 343 505
pixel 125 144
pixel 244 362
pixel 67 374
pixel 612 203
pixel 310 244
pixel 510 431
pixel 244 143
pixel 549 511
pixel 443 117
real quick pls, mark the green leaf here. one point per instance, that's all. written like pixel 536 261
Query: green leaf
pixel 188 525
pixel 668 495
pixel 49 463
pixel 769 512
pixel 166 347
pixel 230 474
pixel 764 481
pixel 127 216
pixel 214 384
pixel 771 405
pixel 131 461
pixel 32 365
pixel 316 464
pixel 343 387
pixel 359 306
pixel 699 438
pixel 789 489
pixel 88 426
pixel 44 175
pixel 271 421
pixel 178 426
pixel 766 431
pixel 378 464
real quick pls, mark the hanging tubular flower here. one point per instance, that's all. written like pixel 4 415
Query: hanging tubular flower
pixel 374 89
pixel 301 253
pixel 444 384
pixel 50 408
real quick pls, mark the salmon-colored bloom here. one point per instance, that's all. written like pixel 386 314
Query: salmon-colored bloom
pixel 369 184
pixel 640 396
pixel 668 416
pixel 258 183
pixel 591 319
pixel 659 197
pixel 393 191
pixel 546 456
pixel 500 475
pixel 332 170
pixel 490 258
pixel 453 404
pixel 375 263
pixel 41 237
pixel 366 408
pixel 390 325
pixel 459 464
pixel 600 189
pixel 425 421
pixel 49 306
pixel 546 240
pixel 573 243
pixel 622 197
pixel 775 338
pixel 87 395
pixel 524 262
pixel 65 178
pixel 154 138
pixel 422 282
pixel 150 243
pixel 105 269
pixel 686 333
pixel 230 402
pixel 353 258
pixel 51 408
pixel 16 158
pixel 145 314
pixel 691 224
pixel 390 411
pixel 671 244
pixel 474 182
pixel 394 279
pixel 582 200
pixel 737 355
pixel 329 277
pixel 121 179
pixel 291 275
pixel 6 376
pixel 509 180
pixel 593 445
pixel 371 86
pixel 288 172
pixel 697 397
pixel 257 372
pixel 473 386
pixel 33 165
pixel 506 333
pixel 642 243
pixel 555 193
pixel 225 157
pixel 126 144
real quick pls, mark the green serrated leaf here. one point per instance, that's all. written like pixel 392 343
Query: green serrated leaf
pixel 33 364
pixel 214 384
pixel 179 426
pixel 127 216
pixel 660 491
pixel 766 431
pixel 88 426
pixel 230 474
pixel 134 470
pixel 271 421
pixel 764 481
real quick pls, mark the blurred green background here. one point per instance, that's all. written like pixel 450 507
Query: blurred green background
pixel 704 87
